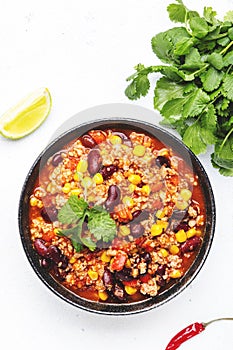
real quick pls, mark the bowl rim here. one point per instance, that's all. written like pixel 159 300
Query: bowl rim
pixel 117 308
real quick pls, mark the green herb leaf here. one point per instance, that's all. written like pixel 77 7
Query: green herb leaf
pixel 100 224
pixel 72 211
pixel 199 27
pixel 228 86
pixel 142 84
pixel 216 60
pixel 195 104
pixel 229 16
pixel 177 12
pixel 211 79
pixel 166 90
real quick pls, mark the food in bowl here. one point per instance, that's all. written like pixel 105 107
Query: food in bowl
pixel 117 215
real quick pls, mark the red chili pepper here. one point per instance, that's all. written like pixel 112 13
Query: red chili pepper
pixel 189 332
pixel 186 333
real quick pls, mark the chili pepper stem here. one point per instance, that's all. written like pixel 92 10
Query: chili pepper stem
pixel 205 324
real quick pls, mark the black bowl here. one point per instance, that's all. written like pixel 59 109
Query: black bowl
pixel 115 308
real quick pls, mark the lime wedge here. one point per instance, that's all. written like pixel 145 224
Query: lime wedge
pixel 27 115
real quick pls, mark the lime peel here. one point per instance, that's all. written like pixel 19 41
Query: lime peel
pixel 27 115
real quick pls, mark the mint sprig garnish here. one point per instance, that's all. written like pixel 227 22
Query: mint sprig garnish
pixel 100 225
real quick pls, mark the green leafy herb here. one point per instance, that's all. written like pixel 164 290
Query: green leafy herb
pixel 100 225
pixel 195 93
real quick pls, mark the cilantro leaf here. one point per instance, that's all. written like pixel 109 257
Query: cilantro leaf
pixel 166 90
pixel 100 224
pixel 142 84
pixel 195 104
pixel 229 16
pixel 193 138
pixel 211 79
pixel 223 153
pixel 72 210
pixel 228 86
pixel 199 27
pixel 216 60
pixel 177 12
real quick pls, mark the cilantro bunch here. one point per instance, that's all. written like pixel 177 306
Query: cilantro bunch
pixel 99 223
pixel 195 93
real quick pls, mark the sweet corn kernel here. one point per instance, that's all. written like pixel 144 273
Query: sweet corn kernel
pixel 174 249
pixel 139 150
pixel 66 188
pixel 164 252
pixel 72 260
pixel 134 179
pixel 130 290
pixel 98 179
pixel 124 230
pixel 132 188
pixel 93 275
pixel 115 139
pixel 145 190
pixel 103 295
pixel 87 181
pixel 56 231
pixel 82 166
pixel 160 214
pixel 156 230
pixel 162 224
pixel 185 194
pixel 128 201
pixel 104 257
pixel 191 232
pixel 175 274
pixel 40 204
pixel 128 263
pixel 33 201
pixel 181 205
pixel 76 191
pixel 76 177
pixel 181 236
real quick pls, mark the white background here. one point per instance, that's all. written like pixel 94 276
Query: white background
pixel 83 51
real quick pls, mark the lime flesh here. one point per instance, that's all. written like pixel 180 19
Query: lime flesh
pixel 27 115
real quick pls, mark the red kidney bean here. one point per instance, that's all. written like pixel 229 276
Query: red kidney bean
pixel 46 263
pixel 63 263
pixel 88 141
pixel 161 270
pixel 114 195
pixel 57 159
pixel 94 161
pixel 190 245
pixel 162 160
pixel 49 214
pixel 58 274
pixel 139 215
pixel 108 279
pixel 108 171
pixel 54 254
pixel 40 247
pixel 181 226
pixel 124 275
pixel 136 230
pixel 160 281
pixel 146 257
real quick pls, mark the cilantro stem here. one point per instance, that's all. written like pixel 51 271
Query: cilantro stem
pixel 226 48
pixel 225 139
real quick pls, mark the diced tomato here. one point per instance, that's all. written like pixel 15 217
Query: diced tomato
pixel 118 261
pixel 98 135
pixel 145 278
pixel 48 236
pixel 133 283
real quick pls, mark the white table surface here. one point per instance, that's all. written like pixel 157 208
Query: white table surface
pixel 83 51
